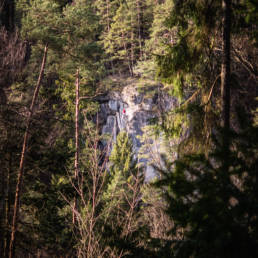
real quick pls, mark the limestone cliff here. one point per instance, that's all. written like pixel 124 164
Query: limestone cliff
pixel 131 110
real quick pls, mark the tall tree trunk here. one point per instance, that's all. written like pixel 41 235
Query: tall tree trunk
pixel 132 41
pixel 225 76
pixel 127 54
pixel 76 160
pixel 139 27
pixel 23 156
pixel 225 68
pixel 108 29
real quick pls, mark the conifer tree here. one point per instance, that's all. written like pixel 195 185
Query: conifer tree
pixel 159 36
pixel 12 52
pixel 122 168
pixel 191 64
pixel 70 31
pixel 125 39
pixel 122 198
pixel 213 208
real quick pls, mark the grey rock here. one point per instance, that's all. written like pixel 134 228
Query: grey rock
pixel 113 104
pixel 131 111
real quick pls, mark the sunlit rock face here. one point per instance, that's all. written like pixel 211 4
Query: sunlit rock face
pixel 131 110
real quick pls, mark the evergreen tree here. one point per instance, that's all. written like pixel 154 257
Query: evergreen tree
pixel 122 171
pixel 191 66
pixel 125 39
pixel 215 209
pixel 68 31
pixel 156 42
pixel 122 200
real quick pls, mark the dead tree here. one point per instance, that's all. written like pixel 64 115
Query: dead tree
pixel 76 160
pixel 23 156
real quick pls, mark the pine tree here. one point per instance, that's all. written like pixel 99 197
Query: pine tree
pixel 121 170
pixel 191 65
pixel 125 40
pixel 215 208
pixel 59 24
pixel 122 199
pixel 159 36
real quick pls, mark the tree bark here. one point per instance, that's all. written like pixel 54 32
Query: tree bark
pixel 225 67
pixel 139 27
pixel 76 160
pixel 225 78
pixel 23 156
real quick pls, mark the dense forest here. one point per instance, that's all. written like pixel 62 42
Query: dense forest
pixel 69 190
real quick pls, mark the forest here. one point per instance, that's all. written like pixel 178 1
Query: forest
pixel 129 128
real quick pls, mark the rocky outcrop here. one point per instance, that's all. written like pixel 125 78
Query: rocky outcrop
pixel 131 110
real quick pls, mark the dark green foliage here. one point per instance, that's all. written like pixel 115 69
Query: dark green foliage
pixel 125 230
pixel 216 210
pixel 180 41
pixel 125 181
pixel 194 22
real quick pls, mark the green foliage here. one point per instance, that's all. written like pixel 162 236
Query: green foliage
pixel 121 155
pixel 45 212
pixel 122 171
pixel 155 44
pixel 179 41
pixel 190 64
pixel 215 209
pixel 187 67
pixel 123 41
pixel 122 213
pixel 193 22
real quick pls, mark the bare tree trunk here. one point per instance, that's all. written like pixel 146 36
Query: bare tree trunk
pixel 108 28
pixel 76 160
pixel 225 67
pixel 139 27
pixel 127 54
pixel 132 42
pixel 23 155
pixel 225 77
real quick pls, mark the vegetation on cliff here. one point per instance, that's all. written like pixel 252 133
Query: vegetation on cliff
pixel 62 194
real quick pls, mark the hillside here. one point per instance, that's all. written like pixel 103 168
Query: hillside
pixel 128 128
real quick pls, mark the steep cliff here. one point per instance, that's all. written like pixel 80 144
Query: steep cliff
pixel 131 110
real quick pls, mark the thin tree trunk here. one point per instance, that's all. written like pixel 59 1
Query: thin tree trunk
pixel 225 78
pixel 108 28
pixel 132 41
pixel 23 156
pixel 225 68
pixel 76 160
pixel 139 27
pixel 127 55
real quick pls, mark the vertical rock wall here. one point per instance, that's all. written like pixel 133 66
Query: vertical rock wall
pixel 131 111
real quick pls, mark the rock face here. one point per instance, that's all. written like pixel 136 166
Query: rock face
pixel 130 111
